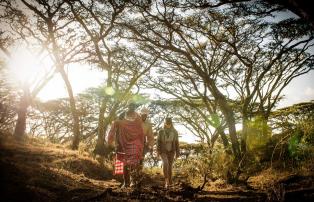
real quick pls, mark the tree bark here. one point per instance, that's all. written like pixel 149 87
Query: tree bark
pixel 229 116
pixel 244 133
pixel 19 131
pixel 232 130
pixel 60 68
pixel 102 129
pixel 76 125
pixel 223 137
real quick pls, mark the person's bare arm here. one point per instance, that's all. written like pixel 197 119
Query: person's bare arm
pixel 159 142
pixel 150 136
pixel 177 145
pixel 112 133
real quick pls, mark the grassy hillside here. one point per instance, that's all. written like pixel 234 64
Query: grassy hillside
pixel 36 170
pixel 41 171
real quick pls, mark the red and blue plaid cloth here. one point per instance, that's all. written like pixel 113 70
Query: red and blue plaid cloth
pixel 131 156
pixel 118 167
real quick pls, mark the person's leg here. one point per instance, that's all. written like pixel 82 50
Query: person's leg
pixel 132 176
pixel 136 176
pixel 170 162
pixel 139 174
pixel 126 176
pixel 165 166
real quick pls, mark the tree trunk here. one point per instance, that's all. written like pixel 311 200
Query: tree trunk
pixel 20 126
pixel 229 116
pixel 100 147
pixel 232 131
pixel 60 67
pixel 103 123
pixel 102 128
pixel 244 134
pixel 224 139
pixel 76 124
pixel 221 133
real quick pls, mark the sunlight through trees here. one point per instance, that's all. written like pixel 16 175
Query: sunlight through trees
pixel 218 68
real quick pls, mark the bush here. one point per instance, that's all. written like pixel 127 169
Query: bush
pixel 214 164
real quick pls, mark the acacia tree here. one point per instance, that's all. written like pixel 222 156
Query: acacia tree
pixel 97 19
pixel 129 66
pixel 27 88
pixel 266 59
pixel 52 120
pixel 7 94
pixel 162 29
pixel 46 25
pixel 123 65
pixel 220 45
pixel 289 118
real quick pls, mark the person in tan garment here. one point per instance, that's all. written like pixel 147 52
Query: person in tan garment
pixel 168 149
pixel 148 131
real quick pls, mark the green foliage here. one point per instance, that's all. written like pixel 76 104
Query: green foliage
pixel 259 133
pixel 139 99
pixel 215 120
pixel 307 128
pixel 215 164
pixel 291 27
pixel 298 146
pixel 295 143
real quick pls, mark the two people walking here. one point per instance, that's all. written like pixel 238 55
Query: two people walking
pixel 132 134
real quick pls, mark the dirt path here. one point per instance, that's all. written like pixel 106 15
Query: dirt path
pixel 47 172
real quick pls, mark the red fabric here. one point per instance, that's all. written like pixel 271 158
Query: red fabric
pixel 131 156
pixel 118 167
pixel 130 138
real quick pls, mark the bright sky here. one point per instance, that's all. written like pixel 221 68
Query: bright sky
pixel 81 77
pixel 299 90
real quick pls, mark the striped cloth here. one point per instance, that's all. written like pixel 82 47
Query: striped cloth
pixel 132 155
pixel 129 137
pixel 118 166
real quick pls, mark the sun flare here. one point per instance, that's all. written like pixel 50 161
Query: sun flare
pixel 81 77
pixel 28 68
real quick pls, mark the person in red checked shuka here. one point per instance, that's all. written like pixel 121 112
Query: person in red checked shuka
pixel 129 137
